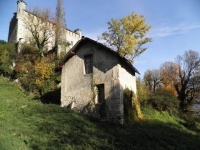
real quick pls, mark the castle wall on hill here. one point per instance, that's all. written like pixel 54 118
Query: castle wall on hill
pixel 19 33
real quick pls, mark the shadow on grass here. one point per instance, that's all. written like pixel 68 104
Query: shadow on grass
pixel 52 127
pixel 148 135
pixel 52 97
pixel 65 129
pixel 26 124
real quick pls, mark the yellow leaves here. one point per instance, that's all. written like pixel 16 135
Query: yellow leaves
pixel 127 35
pixel 39 83
pixel 43 71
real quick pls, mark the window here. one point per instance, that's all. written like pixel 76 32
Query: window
pixel 88 61
pixel 101 93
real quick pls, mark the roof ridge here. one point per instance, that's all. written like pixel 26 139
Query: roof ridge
pixel 71 53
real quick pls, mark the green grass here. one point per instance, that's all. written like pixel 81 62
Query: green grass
pixel 28 124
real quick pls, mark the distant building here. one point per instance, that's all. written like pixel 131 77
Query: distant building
pixel 18 32
pixel 93 79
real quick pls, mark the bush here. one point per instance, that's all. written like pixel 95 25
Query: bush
pixel 47 87
pixel 132 111
pixel 129 115
pixel 7 54
pixel 29 53
pixel 35 74
pixel 163 102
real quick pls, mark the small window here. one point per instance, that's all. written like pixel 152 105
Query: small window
pixel 101 93
pixel 88 61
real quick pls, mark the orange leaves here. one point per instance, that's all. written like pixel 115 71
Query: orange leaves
pixel 162 80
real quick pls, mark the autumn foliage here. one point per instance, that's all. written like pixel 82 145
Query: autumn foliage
pixel 35 74
pixel 43 72
pixel 179 78
pixel 127 35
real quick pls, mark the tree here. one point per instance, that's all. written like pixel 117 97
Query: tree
pixel 142 89
pixel 60 22
pixel 7 55
pixel 168 73
pixel 39 25
pixel 60 37
pixel 127 35
pixel 196 80
pixel 182 76
pixel 188 63
pixel 161 80
pixel 152 79
pixel 43 74
pixel 2 42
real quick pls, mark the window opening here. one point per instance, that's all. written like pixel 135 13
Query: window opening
pixel 101 93
pixel 88 60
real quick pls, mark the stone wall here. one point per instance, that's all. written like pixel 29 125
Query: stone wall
pixel 18 30
pixel 75 86
pixel 127 80
pixel 12 29
pixel 78 88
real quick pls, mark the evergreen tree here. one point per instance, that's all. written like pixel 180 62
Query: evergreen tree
pixel 61 23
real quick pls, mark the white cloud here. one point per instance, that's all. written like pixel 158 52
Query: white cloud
pixel 172 30
pixel 161 31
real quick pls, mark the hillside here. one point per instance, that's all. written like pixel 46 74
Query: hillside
pixel 28 124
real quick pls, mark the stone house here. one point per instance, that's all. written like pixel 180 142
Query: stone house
pixel 18 32
pixel 94 75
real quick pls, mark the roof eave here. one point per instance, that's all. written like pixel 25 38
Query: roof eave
pixel 81 41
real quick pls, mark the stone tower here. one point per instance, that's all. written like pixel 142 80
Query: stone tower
pixel 21 6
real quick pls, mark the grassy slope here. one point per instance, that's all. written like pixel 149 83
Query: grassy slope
pixel 27 124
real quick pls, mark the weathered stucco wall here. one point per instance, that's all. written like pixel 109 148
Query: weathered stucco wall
pixel 79 87
pixel 106 71
pixel 75 86
pixel 127 80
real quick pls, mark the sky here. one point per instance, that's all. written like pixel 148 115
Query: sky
pixel 175 24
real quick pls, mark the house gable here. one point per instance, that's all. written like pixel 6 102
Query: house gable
pixel 121 60
pixel 103 86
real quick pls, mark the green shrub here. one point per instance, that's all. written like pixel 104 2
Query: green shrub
pixel 48 86
pixel 128 105
pixel 2 42
pixel 29 53
pixel 35 73
pixel 28 83
pixel 7 54
pixel 28 49
pixel 132 111
pixel 163 102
